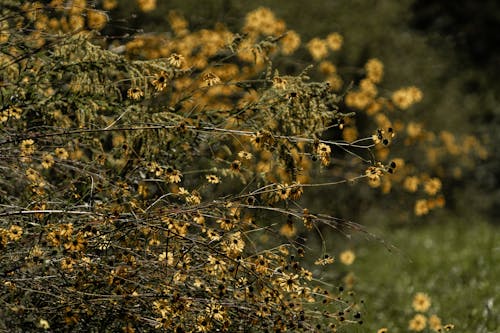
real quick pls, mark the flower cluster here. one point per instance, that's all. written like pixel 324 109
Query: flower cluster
pixel 421 304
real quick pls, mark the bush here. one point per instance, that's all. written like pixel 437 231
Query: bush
pixel 156 184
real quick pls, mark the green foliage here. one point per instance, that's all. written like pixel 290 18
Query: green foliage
pixel 453 261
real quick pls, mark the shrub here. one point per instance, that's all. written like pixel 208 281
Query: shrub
pixel 156 184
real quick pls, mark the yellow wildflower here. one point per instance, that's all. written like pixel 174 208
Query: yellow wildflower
pixel 173 176
pixel 135 93
pixel 27 148
pixel 146 5
pixel 245 155
pixel 235 166
pixel 406 97
pixel 161 80
pixel 317 48
pixel 109 4
pixel 324 150
pixel 421 302
pixel 334 41
pixel 204 324
pixel 417 323
pixel 176 60
pixel 47 161
pixel 449 327
pixel 432 186
pixel 411 183
pixel 210 79
pixel 290 42
pixel 96 19
pixel 288 229
pixel 421 207
pixel 374 70
pixel 61 153
pixel 279 82
pixel 289 282
pixel 435 323
pixel 347 257
pixel 67 264
pixel 44 324
pixel 326 260
pixel 15 232
pixel 234 245
pixel 213 179
pixel 327 68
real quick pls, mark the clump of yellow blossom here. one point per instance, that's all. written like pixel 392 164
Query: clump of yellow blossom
pixel 146 5
pixel 326 260
pixel 178 23
pixel 318 48
pixel 161 80
pixel 96 19
pixel 176 60
pixel 350 134
pixel 406 97
pixel 290 42
pixel 44 324
pixel 61 153
pixel 435 323
pixel 289 282
pixel 263 21
pixel 334 41
pixel 335 81
pixel 358 100
pixel 374 174
pixel 47 161
pixel 327 68
pixel 12 112
pixel 421 302
pixel 411 183
pixel 279 82
pixel 417 323
pixel 210 79
pixel 374 70
pixel 347 257
pixel 109 4
pixel 135 93
pixel 323 151
pixel 414 129
pixel 245 155
pixel 78 6
pixel 213 179
pixel 27 148
pixel 368 87
pixel 288 229
pixel 4 35
pixel 15 232
pixel 421 207
pixel 432 186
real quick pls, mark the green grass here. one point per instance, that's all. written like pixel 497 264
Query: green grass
pixel 455 262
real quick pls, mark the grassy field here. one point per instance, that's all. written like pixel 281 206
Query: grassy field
pixel 454 262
